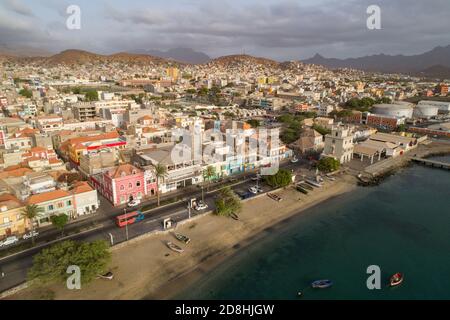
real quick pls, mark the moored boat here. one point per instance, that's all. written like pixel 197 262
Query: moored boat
pixel 172 246
pixel 396 279
pixel 182 238
pixel 321 284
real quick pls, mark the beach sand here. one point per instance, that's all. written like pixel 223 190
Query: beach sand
pixel 147 269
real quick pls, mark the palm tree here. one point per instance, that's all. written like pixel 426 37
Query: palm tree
pixel 160 173
pixel 210 172
pixel 31 212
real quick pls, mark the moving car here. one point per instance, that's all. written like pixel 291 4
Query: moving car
pixel 9 241
pixel 30 234
pixel 201 206
pixel 134 203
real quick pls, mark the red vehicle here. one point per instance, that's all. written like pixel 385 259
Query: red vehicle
pixel 129 218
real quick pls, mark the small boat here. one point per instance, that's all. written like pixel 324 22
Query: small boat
pixel 313 183
pixel 172 246
pixel 182 238
pixel 396 279
pixel 274 197
pixel 306 186
pixel 322 284
pixel 234 216
pixel 300 189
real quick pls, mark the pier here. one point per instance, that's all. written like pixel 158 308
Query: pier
pixel 432 163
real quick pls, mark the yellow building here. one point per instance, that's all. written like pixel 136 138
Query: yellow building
pixel 173 73
pixel 11 220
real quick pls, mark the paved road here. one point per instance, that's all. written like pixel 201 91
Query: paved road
pixel 15 267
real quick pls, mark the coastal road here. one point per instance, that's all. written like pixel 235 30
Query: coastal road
pixel 15 267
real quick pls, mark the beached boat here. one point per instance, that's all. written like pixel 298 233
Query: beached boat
pixel 396 279
pixel 172 246
pixel 300 189
pixel 234 216
pixel 314 184
pixel 322 284
pixel 306 186
pixel 274 197
pixel 182 238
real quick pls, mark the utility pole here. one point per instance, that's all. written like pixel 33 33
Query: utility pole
pixel 126 225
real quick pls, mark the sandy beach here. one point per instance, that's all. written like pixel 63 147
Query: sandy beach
pixel 147 269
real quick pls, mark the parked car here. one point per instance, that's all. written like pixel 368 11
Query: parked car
pixel 134 203
pixel 255 189
pixel 30 234
pixel 9 241
pixel 201 206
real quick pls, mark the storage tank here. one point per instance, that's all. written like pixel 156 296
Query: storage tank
pixel 425 111
pixel 400 110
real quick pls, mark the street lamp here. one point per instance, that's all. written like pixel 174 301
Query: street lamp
pixel 111 238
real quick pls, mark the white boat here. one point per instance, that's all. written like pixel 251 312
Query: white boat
pixel 314 184
pixel 172 246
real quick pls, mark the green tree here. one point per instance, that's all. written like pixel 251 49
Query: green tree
pixel 208 174
pixel 26 93
pixel 161 174
pixel 253 122
pixel 91 95
pixel 60 221
pixel 279 180
pixel 323 131
pixel 227 203
pixel 50 265
pixel 328 164
pixel 31 212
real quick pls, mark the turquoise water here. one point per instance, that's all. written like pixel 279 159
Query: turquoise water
pixel 402 225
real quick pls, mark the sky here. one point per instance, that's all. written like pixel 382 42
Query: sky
pixel 278 29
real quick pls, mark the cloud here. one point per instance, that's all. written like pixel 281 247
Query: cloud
pixel 18 7
pixel 277 29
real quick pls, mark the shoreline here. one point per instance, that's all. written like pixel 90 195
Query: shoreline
pixel 214 240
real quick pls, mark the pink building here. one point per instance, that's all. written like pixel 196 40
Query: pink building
pixel 124 183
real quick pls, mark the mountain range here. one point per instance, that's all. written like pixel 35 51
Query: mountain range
pixel 431 63
pixel 434 63
pixel 186 55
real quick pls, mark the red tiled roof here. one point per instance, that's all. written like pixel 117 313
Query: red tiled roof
pixel 47 196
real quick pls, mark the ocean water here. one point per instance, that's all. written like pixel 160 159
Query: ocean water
pixel 402 225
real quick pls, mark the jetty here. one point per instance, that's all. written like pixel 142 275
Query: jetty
pixel 431 163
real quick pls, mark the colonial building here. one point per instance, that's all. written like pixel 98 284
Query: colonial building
pixel 123 184
pixel 339 144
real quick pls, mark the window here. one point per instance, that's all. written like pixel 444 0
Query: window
pixel 50 207
pixel 60 205
pixel 5 220
pixel 130 185
pixel 138 184
pixel 122 187
pixel 69 202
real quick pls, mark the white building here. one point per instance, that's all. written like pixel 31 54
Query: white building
pixel 339 144
pixel 85 199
